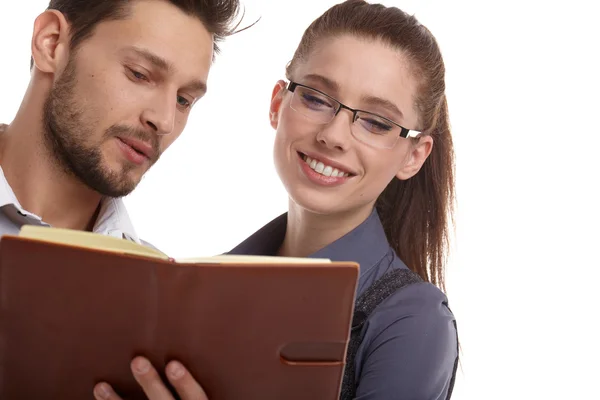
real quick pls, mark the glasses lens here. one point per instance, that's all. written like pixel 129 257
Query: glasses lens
pixel 375 130
pixel 313 105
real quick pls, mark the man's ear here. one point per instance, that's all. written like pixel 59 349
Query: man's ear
pixel 416 158
pixel 50 42
pixel 276 100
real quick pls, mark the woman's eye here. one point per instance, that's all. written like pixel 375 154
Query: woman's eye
pixel 315 101
pixel 375 126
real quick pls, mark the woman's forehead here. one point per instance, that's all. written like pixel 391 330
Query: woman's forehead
pixel 355 70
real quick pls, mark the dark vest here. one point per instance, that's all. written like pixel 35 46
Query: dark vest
pixel 365 304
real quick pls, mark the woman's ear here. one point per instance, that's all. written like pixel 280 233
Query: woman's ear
pixel 50 42
pixel 276 100
pixel 416 158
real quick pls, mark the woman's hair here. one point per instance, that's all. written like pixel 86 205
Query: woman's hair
pixel 416 213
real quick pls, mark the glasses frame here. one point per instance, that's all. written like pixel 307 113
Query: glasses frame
pixel 404 132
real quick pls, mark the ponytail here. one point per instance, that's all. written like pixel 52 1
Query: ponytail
pixel 416 213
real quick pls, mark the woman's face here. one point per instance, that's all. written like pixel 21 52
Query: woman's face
pixel 327 163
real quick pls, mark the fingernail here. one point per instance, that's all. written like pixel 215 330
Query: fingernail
pixel 176 370
pixel 102 391
pixel 141 366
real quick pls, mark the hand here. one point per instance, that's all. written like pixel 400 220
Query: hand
pixel 155 389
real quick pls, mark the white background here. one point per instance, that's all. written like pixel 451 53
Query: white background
pixel 523 90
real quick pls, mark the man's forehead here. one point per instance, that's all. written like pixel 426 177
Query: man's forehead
pixel 173 42
pixel 157 21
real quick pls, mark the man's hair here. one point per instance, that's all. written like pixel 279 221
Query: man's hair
pixel 84 15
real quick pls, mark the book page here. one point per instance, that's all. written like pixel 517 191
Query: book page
pixel 97 241
pixel 243 259
pixel 89 240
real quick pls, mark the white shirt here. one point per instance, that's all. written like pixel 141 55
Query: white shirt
pixel 112 220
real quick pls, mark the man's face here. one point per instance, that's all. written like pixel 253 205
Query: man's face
pixel 126 94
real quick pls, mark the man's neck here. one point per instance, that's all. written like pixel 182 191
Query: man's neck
pixel 307 232
pixel 41 186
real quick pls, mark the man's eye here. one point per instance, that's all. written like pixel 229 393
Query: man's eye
pixel 183 102
pixel 138 75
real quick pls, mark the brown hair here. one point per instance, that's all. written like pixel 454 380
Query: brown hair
pixel 415 213
pixel 84 15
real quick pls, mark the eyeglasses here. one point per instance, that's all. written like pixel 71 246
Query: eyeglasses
pixel 368 128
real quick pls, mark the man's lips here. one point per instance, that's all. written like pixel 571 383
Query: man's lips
pixel 144 148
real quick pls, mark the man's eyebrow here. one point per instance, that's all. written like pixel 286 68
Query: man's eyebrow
pixel 152 58
pixel 197 86
pixel 379 102
pixel 166 67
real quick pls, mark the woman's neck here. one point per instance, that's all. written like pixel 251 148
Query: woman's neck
pixel 308 232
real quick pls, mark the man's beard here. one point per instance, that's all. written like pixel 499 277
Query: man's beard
pixel 70 138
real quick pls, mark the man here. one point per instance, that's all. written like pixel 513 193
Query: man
pixel 112 85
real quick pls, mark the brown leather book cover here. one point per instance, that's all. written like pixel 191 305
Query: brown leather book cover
pixel 71 317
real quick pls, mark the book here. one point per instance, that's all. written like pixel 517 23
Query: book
pixel 96 241
pixel 77 307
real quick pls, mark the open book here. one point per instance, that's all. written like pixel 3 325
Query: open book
pixel 112 244
pixel 77 307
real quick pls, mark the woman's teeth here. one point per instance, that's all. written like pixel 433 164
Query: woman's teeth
pixel 323 169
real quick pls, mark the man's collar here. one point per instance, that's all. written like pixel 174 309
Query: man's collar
pixel 112 220
pixel 366 244
pixel 7 196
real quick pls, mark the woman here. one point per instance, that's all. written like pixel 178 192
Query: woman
pixel 363 148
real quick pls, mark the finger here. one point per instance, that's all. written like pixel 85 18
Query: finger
pixel 103 391
pixel 184 382
pixel 145 374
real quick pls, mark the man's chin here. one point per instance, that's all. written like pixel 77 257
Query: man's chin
pixel 124 188
pixel 113 185
pixel 113 191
